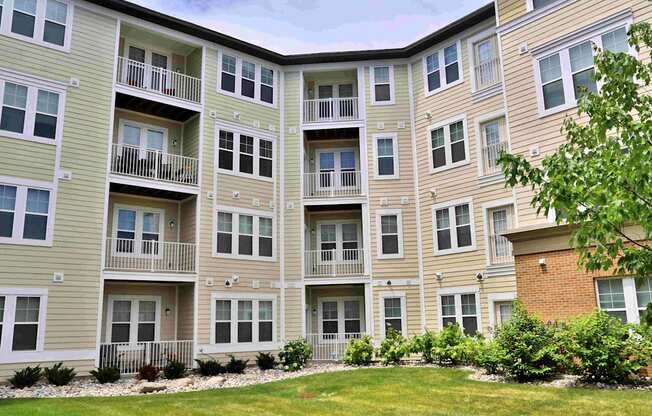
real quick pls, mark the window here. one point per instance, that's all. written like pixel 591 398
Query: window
pixel 390 234
pixel 461 309
pixel 140 143
pixel 453 224
pixel 442 68
pixel 392 309
pixel 624 298
pixel 448 145
pixel 340 316
pixel 45 22
pixel 539 4
pixel 25 216
pixel 382 85
pixel 228 73
pixel 245 155
pixel 503 311
pixel 246 79
pixel 22 319
pixel 499 221
pixel 486 64
pixel 137 231
pixel 337 169
pixel 386 156
pixel 267 85
pixel 253 238
pixel 339 241
pixel 494 142
pixel 611 297
pixel 243 319
pixel 565 75
pixel 133 319
pixel 30 112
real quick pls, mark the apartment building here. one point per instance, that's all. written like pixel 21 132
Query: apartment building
pixel 169 190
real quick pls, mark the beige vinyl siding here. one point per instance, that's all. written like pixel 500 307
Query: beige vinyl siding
pixel 187 221
pixel 249 189
pixel 509 10
pixel 412 309
pixel 171 209
pixel 190 144
pixel 76 248
pixel 25 159
pixel 174 128
pixel 185 311
pixel 82 367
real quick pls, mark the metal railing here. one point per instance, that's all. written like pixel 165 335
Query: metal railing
pixel 334 263
pixel 124 254
pixel 153 164
pixel 129 357
pixel 332 184
pixel 330 109
pixel 500 250
pixel 487 74
pixel 330 347
pixel 158 80
pixel 490 155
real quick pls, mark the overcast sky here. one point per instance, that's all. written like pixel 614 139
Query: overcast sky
pixel 304 26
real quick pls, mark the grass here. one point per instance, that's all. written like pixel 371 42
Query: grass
pixel 389 391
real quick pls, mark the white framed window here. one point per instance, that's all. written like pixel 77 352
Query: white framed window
pixel 339 240
pixel 247 79
pixel 245 154
pixel 460 306
pixel 624 298
pixel 484 53
pixel 22 319
pixel 26 212
pixel 500 307
pixel 563 74
pixel 341 315
pixel 133 319
pixel 540 4
pixel 386 156
pixel 245 234
pixel 381 78
pixel 492 141
pixel 393 312
pixel 44 22
pixel 243 321
pixel 442 68
pixel 453 227
pixel 137 139
pixel 449 144
pixel 31 109
pixel 389 233
pixel 499 219
pixel 138 231
pixel 337 169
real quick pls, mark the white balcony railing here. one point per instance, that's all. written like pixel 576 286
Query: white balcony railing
pixel 149 256
pixel 129 357
pixel 500 250
pixel 330 109
pixel 487 74
pixel 490 155
pixel 330 347
pixel 152 164
pixel 332 184
pixel 334 263
pixel 158 80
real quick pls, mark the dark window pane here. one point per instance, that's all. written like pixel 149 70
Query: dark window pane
pixel 222 332
pixel 245 245
pixel 622 315
pixel 265 246
pixel 12 119
pixel 553 94
pixel 443 239
pixel 457 151
pixel 246 163
pixel 439 157
pixel 244 332
pixel 23 24
pixel 464 236
pixel 390 244
pixel 224 243
pixel 382 92
pixel 583 82
pixel 452 73
pixel 394 323
pixel 537 4
pixel 6 223
pixel 35 227
pixel 54 33
pixel 330 327
pixel 264 331
pixel 433 81
pixel 248 88
pixel 228 82
pixel 267 93
pixel 226 160
pixel 449 321
pixel 385 166
pixel 120 333
pixel 145 332
pixel 24 337
pixel 352 327
pixel 45 126
pixel 265 167
pixel 470 324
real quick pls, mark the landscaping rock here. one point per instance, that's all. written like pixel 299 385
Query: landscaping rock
pixel 214 381
pixel 149 387
pixel 180 382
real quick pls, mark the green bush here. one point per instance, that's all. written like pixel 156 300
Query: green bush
pixel 359 351
pixel 174 369
pixel 106 374
pixel 265 361
pixel 601 348
pixel 488 356
pixel 26 377
pixel 148 372
pixel 393 348
pixel 423 344
pixel 236 366
pixel 452 347
pixel 209 368
pixel 295 354
pixel 529 347
pixel 59 375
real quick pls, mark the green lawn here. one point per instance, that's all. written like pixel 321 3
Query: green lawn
pixel 390 391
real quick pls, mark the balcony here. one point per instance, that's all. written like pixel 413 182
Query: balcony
pixel 149 256
pixel 490 155
pixel 332 184
pixel 500 250
pixel 134 161
pixel 323 110
pixel 330 346
pixel 334 263
pixel 129 357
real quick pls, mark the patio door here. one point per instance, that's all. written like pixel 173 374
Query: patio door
pixel 158 81
pixel 136 67
pixel 337 169
pixel 138 232
pixel 132 320
pixel 341 319
pixel 339 241
pixel 325 109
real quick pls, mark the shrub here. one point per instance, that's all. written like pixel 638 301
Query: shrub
pixel 236 366
pixel 488 356
pixel 148 372
pixel 452 347
pixel 59 375
pixel 265 361
pixel 359 351
pixel 295 354
pixel 529 349
pixel 26 377
pixel 106 374
pixel 174 369
pixel 423 344
pixel 393 348
pixel 210 368
pixel 601 348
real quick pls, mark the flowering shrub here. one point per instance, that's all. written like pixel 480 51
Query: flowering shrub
pixel 393 348
pixel 359 351
pixel 295 354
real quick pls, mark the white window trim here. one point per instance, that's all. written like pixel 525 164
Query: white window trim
pixel 339 238
pixel 379 241
pixel 235 223
pixel 39 25
pixel 470 47
pixel 439 50
pixel 10 295
pixel 492 299
pixel 238 78
pixel 138 232
pixel 258 136
pixel 133 325
pixel 530 5
pixel 450 205
pixel 458 292
pixel 486 220
pixel 340 315
pixel 372 83
pixel 143 135
pixel 381 305
pixel 20 209
pixel 629 291
pixel 562 47
pixel 445 124
pixel 234 345
pixel 34 84
pixel 394 137
pixel 479 142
